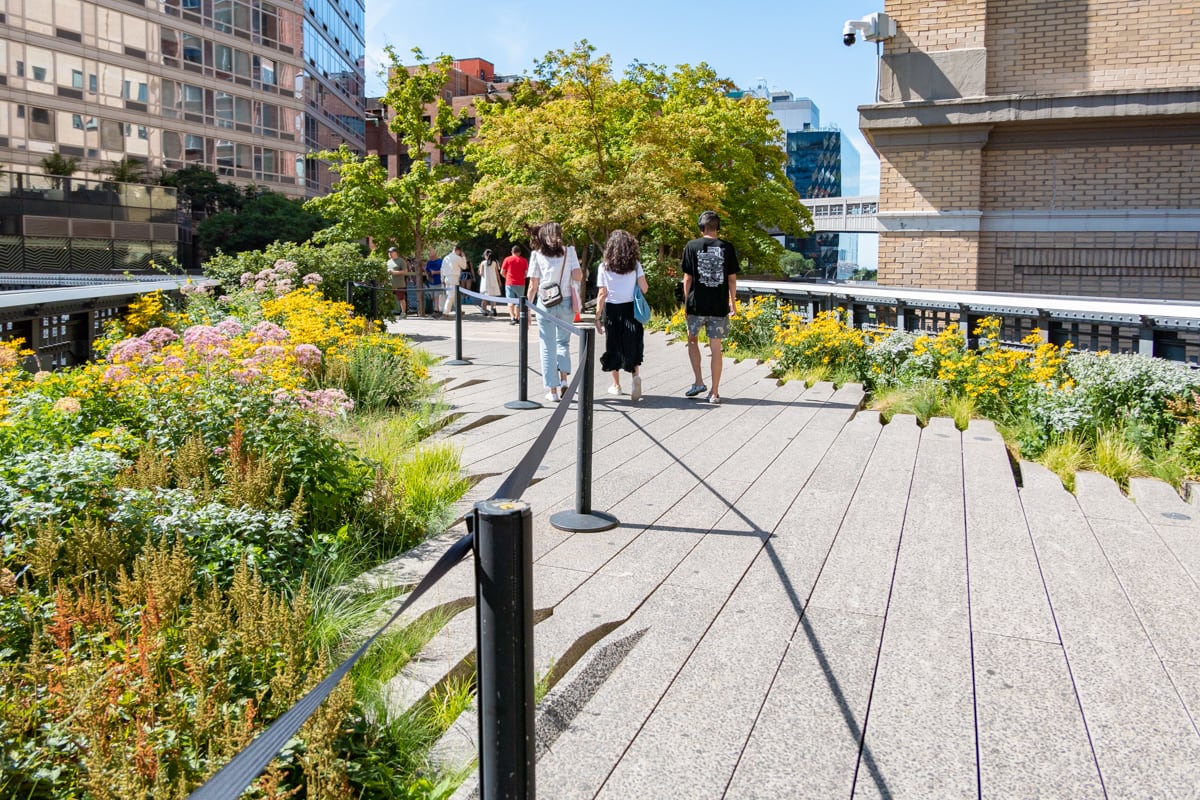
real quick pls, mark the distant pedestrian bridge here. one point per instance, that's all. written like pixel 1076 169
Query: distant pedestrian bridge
pixel 844 214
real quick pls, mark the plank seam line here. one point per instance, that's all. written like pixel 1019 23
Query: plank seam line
pixel 1058 631
pixel 970 620
pixel 1136 615
pixel 707 628
pixel 864 753
pixel 678 459
pixel 801 618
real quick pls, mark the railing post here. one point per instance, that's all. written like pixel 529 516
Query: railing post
pixel 523 403
pixel 350 292
pixel 458 359
pixel 1146 338
pixel 374 300
pixel 583 518
pixel 504 660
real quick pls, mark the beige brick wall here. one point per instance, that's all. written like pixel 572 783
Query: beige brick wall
pixel 1116 264
pixel 928 260
pixel 933 25
pixel 1092 176
pixel 924 179
pixel 1035 46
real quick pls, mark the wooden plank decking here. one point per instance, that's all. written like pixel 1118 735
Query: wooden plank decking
pixel 801 602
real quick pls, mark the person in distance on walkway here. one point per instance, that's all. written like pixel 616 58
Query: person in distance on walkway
pixel 453 264
pixel 489 282
pixel 514 269
pixel 624 337
pixel 554 263
pixel 433 282
pixel 398 269
pixel 710 267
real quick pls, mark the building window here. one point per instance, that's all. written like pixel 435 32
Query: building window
pixel 193 49
pixel 20 69
pixel 77 121
pixel 39 73
pixel 93 84
pixel 76 79
pixel 193 99
pixel 142 132
pixel 20 112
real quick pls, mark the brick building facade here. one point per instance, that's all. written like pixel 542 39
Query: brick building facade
pixel 470 80
pixel 1047 147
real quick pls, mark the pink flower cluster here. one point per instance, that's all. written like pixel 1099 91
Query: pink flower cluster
pixel 159 337
pixel 312 279
pixel 204 337
pixel 264 354
pixel 278 279
pixel 248 375
pixel 190 289
pixel 230 327
pixel 267 332
pixel 116 373
pixel 68 405
pixel 130 350
pixel 325 402
pixel 307 355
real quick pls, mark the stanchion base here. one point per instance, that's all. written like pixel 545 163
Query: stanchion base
pixel 522 405
pixel 583 523
pixel 457 362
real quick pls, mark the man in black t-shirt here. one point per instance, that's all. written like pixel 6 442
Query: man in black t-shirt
pixel 710 267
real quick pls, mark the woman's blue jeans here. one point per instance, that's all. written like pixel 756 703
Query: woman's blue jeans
pixel 555 343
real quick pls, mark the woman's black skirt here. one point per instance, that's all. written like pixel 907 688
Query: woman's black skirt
pixel 623 340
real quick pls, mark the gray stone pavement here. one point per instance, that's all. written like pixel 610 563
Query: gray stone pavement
pixel 801 602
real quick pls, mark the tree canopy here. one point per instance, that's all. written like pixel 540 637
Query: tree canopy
pixel 425 202
pixel 206 191
pixel 645 152
pixel 263 218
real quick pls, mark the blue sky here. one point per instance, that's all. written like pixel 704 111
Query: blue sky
pixel 793 45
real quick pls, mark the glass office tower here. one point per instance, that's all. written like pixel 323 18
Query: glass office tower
pixel 245 88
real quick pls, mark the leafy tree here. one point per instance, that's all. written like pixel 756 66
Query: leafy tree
pixel 207 193
pixel 263 218
pixel 59 165
pixel 424 204
pixel 646 152
pixel 796 264
pixel 125 170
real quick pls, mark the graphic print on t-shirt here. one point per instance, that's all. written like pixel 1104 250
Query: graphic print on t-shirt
pixel 710 266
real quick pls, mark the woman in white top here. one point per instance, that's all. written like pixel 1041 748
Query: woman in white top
pixel 619 274
pixel 489 282
pixel 554 262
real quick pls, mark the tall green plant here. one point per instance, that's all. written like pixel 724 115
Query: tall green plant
pixel 59 165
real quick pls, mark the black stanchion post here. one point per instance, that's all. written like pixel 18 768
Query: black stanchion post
pixel 350 292
pixel 523 402
pixel 374 300
pixel 504 661
pixel 583 518
pixel 458 359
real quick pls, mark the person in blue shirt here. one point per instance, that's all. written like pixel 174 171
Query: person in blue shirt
pixel 433 277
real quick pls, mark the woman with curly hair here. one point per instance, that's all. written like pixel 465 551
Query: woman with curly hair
pixel 620 273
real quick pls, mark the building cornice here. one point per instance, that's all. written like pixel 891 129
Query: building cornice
pixel 1182 104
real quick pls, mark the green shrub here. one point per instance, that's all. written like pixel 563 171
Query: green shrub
pixel 336 263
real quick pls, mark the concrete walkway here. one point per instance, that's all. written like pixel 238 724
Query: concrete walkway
pixel 801 602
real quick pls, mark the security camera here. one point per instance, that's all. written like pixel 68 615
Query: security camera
pixel 875 27
pixel 848 33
